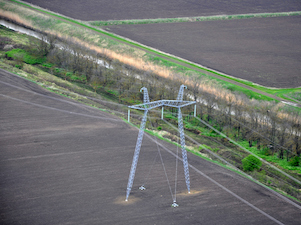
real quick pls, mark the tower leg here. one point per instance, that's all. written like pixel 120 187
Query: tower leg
pixel 184 153
pixel 136 155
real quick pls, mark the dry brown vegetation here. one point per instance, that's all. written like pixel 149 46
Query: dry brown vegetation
pixel 10 16
pixel 118 52
pixel 135 59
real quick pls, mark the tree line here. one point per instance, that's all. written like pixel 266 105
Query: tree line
pixel 272 127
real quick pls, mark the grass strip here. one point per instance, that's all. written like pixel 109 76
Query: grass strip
pixel 193 19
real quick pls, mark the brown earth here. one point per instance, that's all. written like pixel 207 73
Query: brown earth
pixel 137 9
pixel 266 51
pixel 66 163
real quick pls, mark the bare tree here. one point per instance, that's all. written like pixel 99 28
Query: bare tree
pixel 195 82
pixel 210 102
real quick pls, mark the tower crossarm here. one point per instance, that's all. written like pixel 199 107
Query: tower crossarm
pixel 147 106
pixel 155 104
pixel 177 104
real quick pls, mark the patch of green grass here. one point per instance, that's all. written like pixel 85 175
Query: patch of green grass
pixel 294 95
pixel 250 163
pixel 21 54
pixel 280 92
pixel 17 38
pixel 75 77
pixel 203 146
pixel 295 161
pixel 249 93
pixel 283 163
pixel 274 159
pixel 47 65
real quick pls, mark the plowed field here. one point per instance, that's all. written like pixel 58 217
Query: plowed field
pixel 144 9
pixel 266 51
pixel 65 163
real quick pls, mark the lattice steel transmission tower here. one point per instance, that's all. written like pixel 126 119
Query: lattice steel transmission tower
pixel 146 106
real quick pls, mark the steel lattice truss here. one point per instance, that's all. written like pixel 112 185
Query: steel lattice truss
pixel 147 105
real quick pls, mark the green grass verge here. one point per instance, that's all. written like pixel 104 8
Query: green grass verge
pixel 25 56
pixel 193 19
pixel 283 163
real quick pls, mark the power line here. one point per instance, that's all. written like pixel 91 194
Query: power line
pixel 80 114
pixel 234 142
pixel 274 192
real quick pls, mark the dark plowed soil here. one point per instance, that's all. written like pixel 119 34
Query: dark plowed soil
pixel 145 9
pixel 64 163
pixel 266 51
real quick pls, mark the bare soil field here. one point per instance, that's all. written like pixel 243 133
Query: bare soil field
pixel 66 163
pixel 266 51
pixel 137 9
